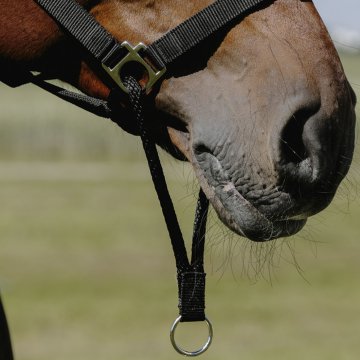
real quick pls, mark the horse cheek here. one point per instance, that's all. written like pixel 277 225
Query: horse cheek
pixel 89 83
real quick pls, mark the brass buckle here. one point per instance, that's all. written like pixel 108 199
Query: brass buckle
pixel 134 56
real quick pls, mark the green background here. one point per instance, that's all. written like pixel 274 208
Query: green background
pixel 86 269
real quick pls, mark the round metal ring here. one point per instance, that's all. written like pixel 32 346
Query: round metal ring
pixel 191 353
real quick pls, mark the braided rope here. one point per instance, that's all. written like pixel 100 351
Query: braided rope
pixel 191 276
pixel 157 174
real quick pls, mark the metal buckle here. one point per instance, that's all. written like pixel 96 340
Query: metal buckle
pixel 134 56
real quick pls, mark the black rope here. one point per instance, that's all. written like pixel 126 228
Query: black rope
pixel 191 285
pixel 191 276
pixel 137 101
pixel 198 242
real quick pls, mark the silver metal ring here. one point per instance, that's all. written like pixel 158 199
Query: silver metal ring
pixel 190 353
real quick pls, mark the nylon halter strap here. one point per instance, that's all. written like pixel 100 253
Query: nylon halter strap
pixel 156 60
pixel 101 46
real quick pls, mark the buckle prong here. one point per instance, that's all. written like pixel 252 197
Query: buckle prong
pixel 134 55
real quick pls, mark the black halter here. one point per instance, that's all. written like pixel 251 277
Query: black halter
pixel 111 57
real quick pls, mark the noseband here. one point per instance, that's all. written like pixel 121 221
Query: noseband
pixel 112 59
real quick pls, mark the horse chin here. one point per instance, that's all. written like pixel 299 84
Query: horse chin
pixel 239 214
pixel 246 220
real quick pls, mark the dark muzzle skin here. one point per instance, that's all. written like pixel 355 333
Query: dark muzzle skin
pixel 235 209
pixel 269 122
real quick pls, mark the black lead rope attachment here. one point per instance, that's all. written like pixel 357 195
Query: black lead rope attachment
pixel 190 275
pixel 191 283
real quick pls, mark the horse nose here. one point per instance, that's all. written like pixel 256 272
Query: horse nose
pixel 308 147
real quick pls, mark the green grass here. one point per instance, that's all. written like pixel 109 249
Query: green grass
pixel 86 268
pixel 87 272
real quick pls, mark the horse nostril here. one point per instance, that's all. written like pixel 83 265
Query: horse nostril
pixel 303 147
pixel 200 149
pixel 292 146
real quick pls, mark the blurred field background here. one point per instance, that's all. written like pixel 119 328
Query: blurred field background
pixel 86 269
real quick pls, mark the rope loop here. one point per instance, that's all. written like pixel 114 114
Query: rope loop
pixel 191 276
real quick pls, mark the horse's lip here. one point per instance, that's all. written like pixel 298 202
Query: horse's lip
pixel 235 210
pixel 243 217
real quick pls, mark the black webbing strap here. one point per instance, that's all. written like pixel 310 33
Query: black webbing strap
pixel 82 26
pixel 191 276
pixel 104 47
pixel 13 75
pixel 94 105
pixel 6 352
pixel 197 28
pixel 16 75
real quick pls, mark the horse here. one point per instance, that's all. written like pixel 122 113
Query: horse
pixel 263 111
